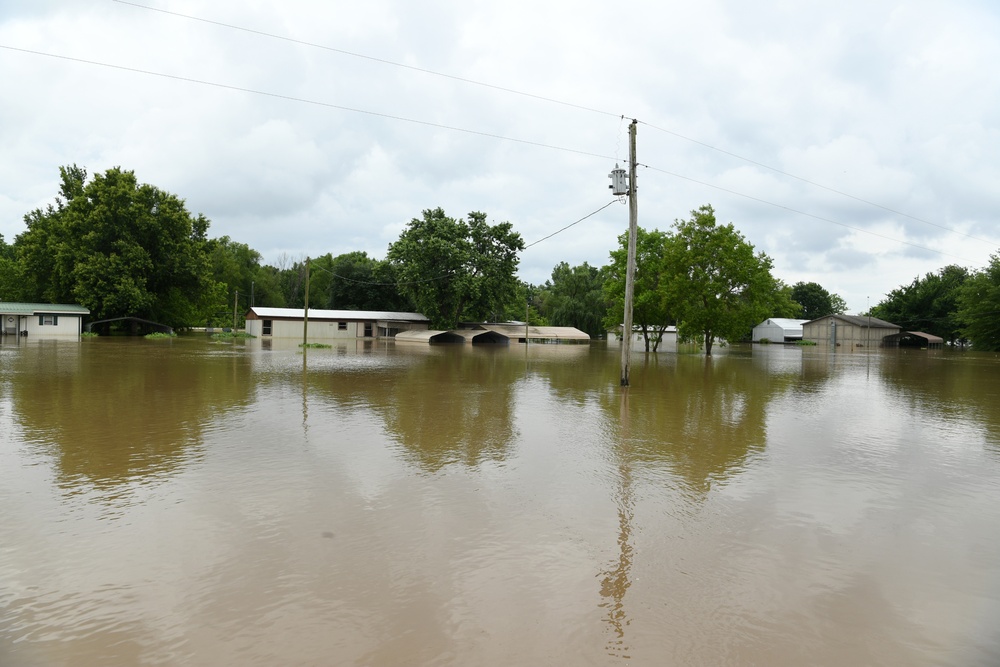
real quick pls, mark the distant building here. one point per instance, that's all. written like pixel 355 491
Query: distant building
pixel 848 331
pixel 330 324
pixel 41 319
pixel 778 330
pixel 502 334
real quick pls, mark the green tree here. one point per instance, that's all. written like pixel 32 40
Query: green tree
pixel 650 311
pixel 119 248
pixel 785 305
pixel 360 282
pixel 816 302
pixel 714 281
pixel 979 307
pixel 236 267
pixel 10 273
pixel 576 298
pixel 453 270
pixel 928 304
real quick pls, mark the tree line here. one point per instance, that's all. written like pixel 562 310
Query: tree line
pixel 124 248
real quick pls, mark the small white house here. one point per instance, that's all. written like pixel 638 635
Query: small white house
pixel 329 324
pixel 778 330
pixel 41 319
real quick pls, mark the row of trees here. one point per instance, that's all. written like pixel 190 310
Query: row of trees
pixel 959 305
pixel 120 247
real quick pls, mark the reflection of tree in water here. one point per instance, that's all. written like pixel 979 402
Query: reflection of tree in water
pixel 113 411
pixel 947 386
pixel 453 405
pixel 701 418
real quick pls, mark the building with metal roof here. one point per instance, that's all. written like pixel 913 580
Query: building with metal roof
pixel 778 330
pixel 41 319
pixel 913 339
pixel 330 324
pixel 501 334
pixel 848 331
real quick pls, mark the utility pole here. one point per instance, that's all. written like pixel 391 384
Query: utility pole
pixel 305 319
pixel 236 300
pixel 633 225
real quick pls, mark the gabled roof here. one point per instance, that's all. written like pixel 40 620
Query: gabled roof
pixel 859 321
pixel 518 330
pixel 320 314
pixel 13 308
pixel 784 322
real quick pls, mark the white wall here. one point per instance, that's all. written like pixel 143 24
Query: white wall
pixel 67 325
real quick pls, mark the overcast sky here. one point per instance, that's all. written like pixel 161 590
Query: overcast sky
pixel 856 143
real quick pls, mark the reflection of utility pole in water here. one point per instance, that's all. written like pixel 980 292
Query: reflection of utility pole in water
pixel 617 579
pixel 305 390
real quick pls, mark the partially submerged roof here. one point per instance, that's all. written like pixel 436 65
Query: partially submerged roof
pixel 339 315
pixel 533 332
pixel 492 333
pixel 13 308
pixel 859 321
pixel 929 339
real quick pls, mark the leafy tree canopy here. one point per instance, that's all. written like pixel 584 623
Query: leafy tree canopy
pixel 576 298
pixel 979 307
pixel 456 270
pixel 120 248
pixel 928 304
pixel 650 312
pixel 816 302
pixel 714 281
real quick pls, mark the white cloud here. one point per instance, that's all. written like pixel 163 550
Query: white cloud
pixel 892 102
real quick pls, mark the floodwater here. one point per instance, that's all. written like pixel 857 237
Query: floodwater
pixel 185 502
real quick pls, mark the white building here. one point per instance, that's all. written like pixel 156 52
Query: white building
pixel 778 330
pixel 42 319
pixel 330 324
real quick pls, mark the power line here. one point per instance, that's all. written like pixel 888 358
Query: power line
pixel 456 129
pixel 558 231
pixel 304 100
pixel 366 57
pixel 551 100
pixel 808 215
pixel 815 184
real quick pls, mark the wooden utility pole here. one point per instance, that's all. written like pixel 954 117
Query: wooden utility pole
pixel 633 226
pixel 236 300
pixel 305 319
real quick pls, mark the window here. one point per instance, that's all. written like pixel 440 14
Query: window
pixel 50 320
pixel 265 327
pixel 341 326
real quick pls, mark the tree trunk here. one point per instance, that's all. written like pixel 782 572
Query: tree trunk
pixel 708 344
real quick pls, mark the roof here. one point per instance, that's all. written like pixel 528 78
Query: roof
pixel 491 333
pixel 517 331
pixel 859 321
pixel 784 322
pixel 13 308
pixel 320 314
pixel 930 338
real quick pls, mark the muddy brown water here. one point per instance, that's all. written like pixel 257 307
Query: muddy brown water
pixel 186 502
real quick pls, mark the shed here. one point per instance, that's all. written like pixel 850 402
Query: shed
pixel 330 324
pixel 778 330
pixel 913 339
pixel 500 334
pixel 848 331
pixel 41 319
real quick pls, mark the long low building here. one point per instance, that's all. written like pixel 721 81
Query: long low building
pixel 496 334
pixel 330 324
pixel 41 319
pixel 848 331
